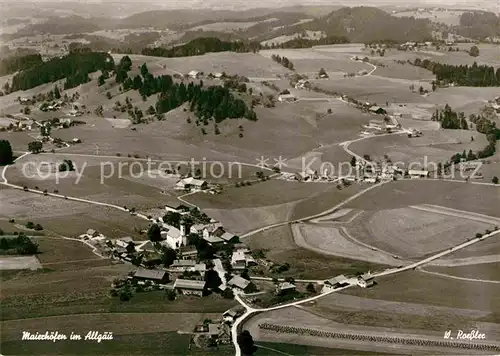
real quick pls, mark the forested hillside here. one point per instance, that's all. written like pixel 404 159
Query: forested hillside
pixel 75 67
pixel 14 64
pixel 201 46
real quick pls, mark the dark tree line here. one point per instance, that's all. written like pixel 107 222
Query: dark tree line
pixel 18 63
pixel 201 46
pixel 213 102
pixel 463 75
pixel 285 62
pixel 75 67
pixel 6 156
pixel 300 42
pixel 450 119
pixel 489 128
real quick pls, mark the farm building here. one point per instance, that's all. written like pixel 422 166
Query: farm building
pixel 189 287
pixel 213 240
pixel 339 281
pixel 191 184
pixel 287 98
pixel 188 266
pixel 158 276
pixel 285 287
pixel 232 314
pixel 123 241
pixel 414 174
pixel 241 284
pixel 366 280
pixel 229 237
pixel 302 84
pixel 188 252
pixel 213 229
pixel 238 260
pixel 377 110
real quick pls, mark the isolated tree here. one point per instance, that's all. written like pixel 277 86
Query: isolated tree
pixel 474 51
pixel 108 95
pixel 353 161
pixel 35 146
pixel 322 72
pixel 6 155
pixel 57 93
pixel 66 165
pixel 494 180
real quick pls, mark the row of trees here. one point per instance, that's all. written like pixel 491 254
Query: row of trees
pixel 201 46
pixel 464 75
pixel 75 67
pixel 487 127
pixel 285 62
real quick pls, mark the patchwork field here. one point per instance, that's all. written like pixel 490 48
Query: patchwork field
pixel 19 262
pixel 411 233
pixel 66 217
pixel 333 241
pixel 280 248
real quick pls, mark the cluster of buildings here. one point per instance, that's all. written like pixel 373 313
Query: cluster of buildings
pixel 365 280
pixel 495 104
pixel 414 46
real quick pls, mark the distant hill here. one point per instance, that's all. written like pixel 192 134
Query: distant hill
pixel 367 24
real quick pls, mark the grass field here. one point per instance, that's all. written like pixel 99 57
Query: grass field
pixel 266 193
pixel 422 288
pixel 280 247
pixel 295 349
pixel 486 271
pixel 410 232
pixel 332 241
pixel 66 217
pixel 468 197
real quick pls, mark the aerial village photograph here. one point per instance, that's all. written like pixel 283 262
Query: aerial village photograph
pixel 236 178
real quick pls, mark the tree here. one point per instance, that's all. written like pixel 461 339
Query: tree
pixel 144 70
pixel 6 155
pixel 172 218
pixel 125 293
pixel 353 161
pixel 35 146
pixel 246 344
pixel 57 93
pixel 66 165
pixel 108 95
pixel 168 256
pixel 494 180
pixel 474 51
pixel 130 247
pixel 154 233
pixel 171 294
pixel 310 288
pixel 322 73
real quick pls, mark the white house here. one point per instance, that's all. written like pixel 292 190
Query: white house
pixel 238 260
pixel 287 98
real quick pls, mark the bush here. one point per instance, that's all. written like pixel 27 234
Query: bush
pixel 38 227
pixel 30 225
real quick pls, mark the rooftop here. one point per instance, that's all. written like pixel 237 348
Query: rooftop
pixel 286 285
pixel 189 284
pixel 239 282
pixel 150 273
pixel 183 263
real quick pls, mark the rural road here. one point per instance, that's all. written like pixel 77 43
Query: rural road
pixel 374 67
